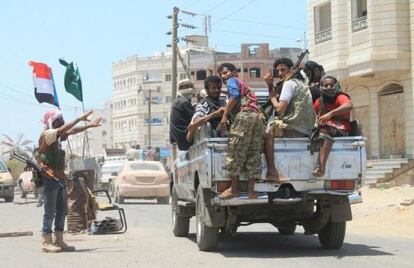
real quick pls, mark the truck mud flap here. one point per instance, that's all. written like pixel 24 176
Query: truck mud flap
pixel 340 210
pixel 214 216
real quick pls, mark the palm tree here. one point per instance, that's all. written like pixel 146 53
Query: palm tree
pixel 19 146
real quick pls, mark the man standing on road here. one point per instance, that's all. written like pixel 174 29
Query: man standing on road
pixel 52 159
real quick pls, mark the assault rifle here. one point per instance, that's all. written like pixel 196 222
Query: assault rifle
pixel 268 106
pixel 42 172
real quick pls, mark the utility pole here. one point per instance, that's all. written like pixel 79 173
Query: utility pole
pixel 149 117
pixel 174 42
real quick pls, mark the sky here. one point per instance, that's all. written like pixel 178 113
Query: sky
pixel 94 34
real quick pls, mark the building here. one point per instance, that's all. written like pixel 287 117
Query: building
pixel 254 61
pixel 367 44
pixel 99 138
pixel 135 79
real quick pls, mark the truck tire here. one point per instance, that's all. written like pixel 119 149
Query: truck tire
pixel 332 235
pixel 207 237
pixel 288 229
pixel 163 200
pixel 118 198
pixel 181 225
pixel 23 194
pixel 9 199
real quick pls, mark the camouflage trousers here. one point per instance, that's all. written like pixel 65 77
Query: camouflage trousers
pixel 246 145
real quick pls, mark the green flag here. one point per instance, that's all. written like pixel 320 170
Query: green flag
pixel 73 82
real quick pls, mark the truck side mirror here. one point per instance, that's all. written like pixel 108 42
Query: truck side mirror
pixel 114 174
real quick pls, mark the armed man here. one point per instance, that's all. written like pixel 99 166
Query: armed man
pixel 52 159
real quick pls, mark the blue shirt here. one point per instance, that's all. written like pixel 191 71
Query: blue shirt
pixel 233 88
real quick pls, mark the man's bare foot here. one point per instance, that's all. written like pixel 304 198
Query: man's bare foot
pixel 274 176
pixel 229 193
pixel 251 194
pixel 318 172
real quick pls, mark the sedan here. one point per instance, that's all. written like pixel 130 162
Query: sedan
pixel 144 180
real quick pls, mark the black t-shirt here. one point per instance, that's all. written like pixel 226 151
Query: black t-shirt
pixel 180 117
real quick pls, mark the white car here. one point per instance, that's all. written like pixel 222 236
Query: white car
pixel 142 179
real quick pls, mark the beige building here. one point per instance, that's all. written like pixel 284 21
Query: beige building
pixel 135 78
pixel 367 44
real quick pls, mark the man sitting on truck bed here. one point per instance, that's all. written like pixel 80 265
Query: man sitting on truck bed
pixel 246 132
pixel 334 111
pixel 181 113
pixel 295 113
pixel 209 109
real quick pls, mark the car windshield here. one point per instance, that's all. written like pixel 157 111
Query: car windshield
pixel 146 166
pixel 3 168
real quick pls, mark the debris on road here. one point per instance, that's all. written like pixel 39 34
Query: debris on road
pixel 16 234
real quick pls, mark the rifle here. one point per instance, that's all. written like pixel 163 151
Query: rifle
pixel 268 106
pixel 39 170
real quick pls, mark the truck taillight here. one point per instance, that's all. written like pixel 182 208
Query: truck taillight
pixel 340 185
pixel 124 178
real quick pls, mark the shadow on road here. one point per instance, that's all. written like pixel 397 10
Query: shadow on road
pixel 271 245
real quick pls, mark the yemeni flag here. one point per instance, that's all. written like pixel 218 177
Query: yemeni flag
pixel 73 82
pixel 44 85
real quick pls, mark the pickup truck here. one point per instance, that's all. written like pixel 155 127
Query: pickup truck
pixel 321 205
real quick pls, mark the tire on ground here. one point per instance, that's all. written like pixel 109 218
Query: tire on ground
pixel 332 235
pixel 181 225
pixel 207 237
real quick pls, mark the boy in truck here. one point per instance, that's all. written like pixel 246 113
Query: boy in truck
pixel 334 111
pixel 210 107
pixel 246 132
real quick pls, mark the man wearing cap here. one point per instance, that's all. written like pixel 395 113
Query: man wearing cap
pixel 314 72
pixel 52 159
pixel 181 113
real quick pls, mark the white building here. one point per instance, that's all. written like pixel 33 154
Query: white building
pixel 134 78
pixel 367 44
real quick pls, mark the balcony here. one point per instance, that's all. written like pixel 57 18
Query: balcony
pixel 323 36
pixel 359 24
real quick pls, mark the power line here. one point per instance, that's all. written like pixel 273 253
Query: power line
pixel 254 34
pixel 259 23
pixel 234 12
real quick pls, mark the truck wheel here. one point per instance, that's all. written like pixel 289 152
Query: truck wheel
pixel 288 229
pixel 181 225
pixel 207 237
pixel 9 199
pixel 332 235
pixel 23 194
pixel 118 198
pixel 163 200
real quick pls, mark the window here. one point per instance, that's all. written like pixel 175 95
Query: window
pixel 183 76
pixel 104 146
pixel 103 120
pixel 238 70
pixel 103 132
pixel 254 72
pixel 201 75
pixel 245 70
pixel 323 23
pixel 192 73
pixel 359 15
pixel 168 77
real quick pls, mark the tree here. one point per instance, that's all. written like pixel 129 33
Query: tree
pixel 19 146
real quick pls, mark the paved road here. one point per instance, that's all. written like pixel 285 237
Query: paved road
pixel 149 242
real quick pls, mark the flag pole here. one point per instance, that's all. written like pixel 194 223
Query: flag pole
pixel 85 145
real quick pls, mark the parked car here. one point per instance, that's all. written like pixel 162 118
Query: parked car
pixel 26 184
pixel 6 184
pixel 107 179
pixel 144 180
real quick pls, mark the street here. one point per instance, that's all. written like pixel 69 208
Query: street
pixel 149 242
